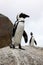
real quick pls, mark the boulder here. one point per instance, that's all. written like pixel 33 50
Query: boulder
pixel 6 28
pixel 29 56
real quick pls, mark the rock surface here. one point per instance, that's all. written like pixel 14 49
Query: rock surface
pixel 29 56
pixel 6 28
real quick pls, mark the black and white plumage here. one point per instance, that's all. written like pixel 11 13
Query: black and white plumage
pixel 32 40
pixel 18 31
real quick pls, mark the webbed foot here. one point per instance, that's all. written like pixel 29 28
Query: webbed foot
pixel 21 47
pixel 12 46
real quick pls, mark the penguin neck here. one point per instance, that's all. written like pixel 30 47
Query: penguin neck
pixel 32 36
pixel 21 20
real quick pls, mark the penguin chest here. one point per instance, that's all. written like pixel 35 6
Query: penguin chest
pixel 19 33
pixel 32 42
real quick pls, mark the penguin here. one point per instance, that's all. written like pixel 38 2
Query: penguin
pixel 18 31
pixel 32 40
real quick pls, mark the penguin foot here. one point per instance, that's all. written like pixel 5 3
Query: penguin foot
pixel 21 47
pixel 12 46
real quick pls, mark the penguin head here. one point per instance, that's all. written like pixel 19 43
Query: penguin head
pixel 31 34
pixel 21 16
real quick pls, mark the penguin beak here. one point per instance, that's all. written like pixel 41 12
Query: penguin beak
pixel 26 16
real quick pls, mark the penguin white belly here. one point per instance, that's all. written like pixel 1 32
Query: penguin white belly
pixel 32 42
pixel 18 34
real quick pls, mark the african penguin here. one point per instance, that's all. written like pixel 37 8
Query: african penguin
pixel 18 31
pixel 32 40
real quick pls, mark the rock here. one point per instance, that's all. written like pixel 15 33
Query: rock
pixel 29 56
pixel 6 28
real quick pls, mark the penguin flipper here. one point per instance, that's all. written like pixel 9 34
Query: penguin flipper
pixel 13 32
pixel 35 42
pixel 25 36
pixel 30 40
pixel 14 29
